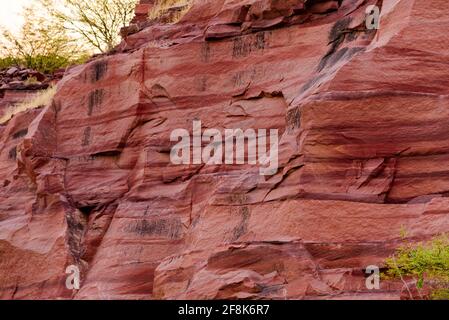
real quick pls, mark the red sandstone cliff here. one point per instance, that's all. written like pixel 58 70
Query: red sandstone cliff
pixel 364 147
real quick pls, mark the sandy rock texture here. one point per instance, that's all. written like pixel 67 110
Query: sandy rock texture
pixel 363 117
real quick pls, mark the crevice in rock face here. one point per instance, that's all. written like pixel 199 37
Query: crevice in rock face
pixel 12 155
pixel 76 226
pixel 20 133
pixel 242 227
pixel 98 222
pixel 106 154
pixel 284 177
pixel 339 34
pixel 343 47
pixel 336 37
pixel 293 119
pixel 86 229
pixel 260 95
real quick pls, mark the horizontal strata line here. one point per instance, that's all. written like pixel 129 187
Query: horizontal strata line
pixel 133 110
pixel 373 130
pixel 422 54
pixel 302 242
pixel 361 243
pixel 349 95
pixel 398 155
pixel 440 123
pixel 139 240
pixel 344 293
pixel 301 198
pixel 341 198
pixel 313 178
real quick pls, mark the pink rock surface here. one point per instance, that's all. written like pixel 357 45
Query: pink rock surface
pixel 363 121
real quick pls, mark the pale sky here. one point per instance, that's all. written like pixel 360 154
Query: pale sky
pixel 10 11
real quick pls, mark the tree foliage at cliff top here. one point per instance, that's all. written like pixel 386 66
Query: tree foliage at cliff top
pixel 97 23
pixel 58 33
pixel 42 44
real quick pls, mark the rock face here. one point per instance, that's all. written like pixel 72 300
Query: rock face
pixel 142 9
pixel 364 142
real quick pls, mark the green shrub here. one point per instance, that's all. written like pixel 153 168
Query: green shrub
pixel 440 294
pixel 427 263
pixel 42 44
pixel 8 62
pixel 42 63
pixel 46 64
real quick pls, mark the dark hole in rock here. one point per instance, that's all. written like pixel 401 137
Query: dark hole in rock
pixel 87 210
pixel 20 134
pixel 13 153
pixel 112 153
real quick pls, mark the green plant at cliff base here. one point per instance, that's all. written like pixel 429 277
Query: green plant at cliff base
pixel 427 263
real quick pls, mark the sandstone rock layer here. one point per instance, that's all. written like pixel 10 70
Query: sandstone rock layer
pixel 364 149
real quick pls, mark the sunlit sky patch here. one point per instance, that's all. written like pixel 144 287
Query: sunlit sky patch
pixel 10 13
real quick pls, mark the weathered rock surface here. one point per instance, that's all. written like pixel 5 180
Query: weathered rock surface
pixel 142 9
pixel 363 117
